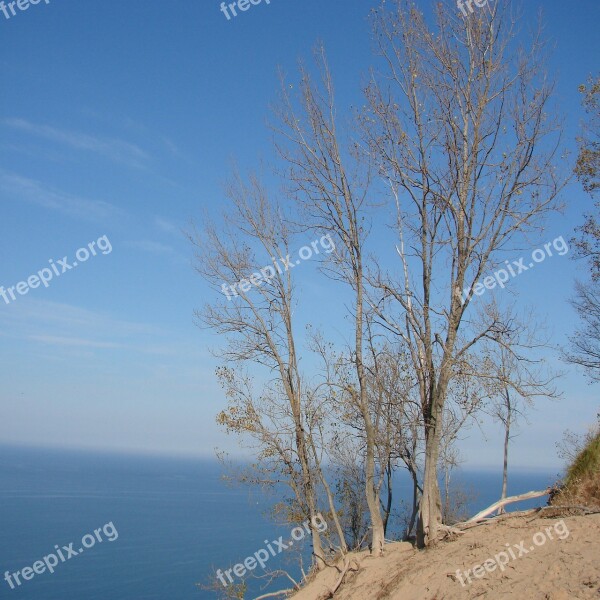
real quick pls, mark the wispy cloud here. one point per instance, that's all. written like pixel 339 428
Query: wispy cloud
pixel 71 328
pixel 67 341
pixel 155 140
pixel 111 148
pixel 158 249
pixel 151 247
pixel 34 192
pixel 69 319
pixel 166 226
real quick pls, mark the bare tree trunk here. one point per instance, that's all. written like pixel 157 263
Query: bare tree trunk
pixel 371 486
pixel 334 516
pixel 388 507
pixel 446 511
pixel 415 505
pixel 430 510
pixel 372 495
pixel 310 495
pixel 506 440
pixel 330 500
pixel 292 384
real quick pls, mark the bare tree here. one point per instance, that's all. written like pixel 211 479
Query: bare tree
pixel 584 349
pixel 587 168
pixel 585 344
pixel 331 185
pixel 515 378
pixel 397 420
pixel 258 327
pixel 458 125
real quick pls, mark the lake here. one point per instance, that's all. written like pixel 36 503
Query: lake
pixel 177 522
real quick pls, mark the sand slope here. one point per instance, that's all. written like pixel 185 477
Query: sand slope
pixel 556 569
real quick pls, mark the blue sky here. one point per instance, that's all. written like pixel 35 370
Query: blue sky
pixel 122 119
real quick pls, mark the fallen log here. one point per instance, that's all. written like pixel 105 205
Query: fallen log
pixel 494 507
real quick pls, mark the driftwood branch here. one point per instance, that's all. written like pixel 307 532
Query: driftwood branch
pixel 525 513
pixel 502 517
pixel 494 507
pixel 275 594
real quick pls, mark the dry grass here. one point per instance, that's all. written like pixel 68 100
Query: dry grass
pixel 582 483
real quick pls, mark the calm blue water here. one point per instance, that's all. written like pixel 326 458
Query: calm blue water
pixel 175 519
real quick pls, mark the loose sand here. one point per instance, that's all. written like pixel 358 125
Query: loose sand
pixel 558 569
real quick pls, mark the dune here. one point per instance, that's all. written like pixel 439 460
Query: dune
pixel 546 556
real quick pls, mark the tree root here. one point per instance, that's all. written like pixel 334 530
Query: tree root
pixel 348 566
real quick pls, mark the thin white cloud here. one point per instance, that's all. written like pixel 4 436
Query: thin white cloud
pixel 166 226
pixel 151 247
pixel 158 249
pixel 34 192
pixel 161 142
pixel 67 341
pixel 70 329
pixel 36 314
pixel 111 148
